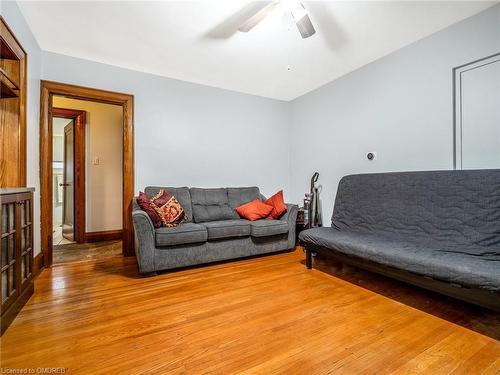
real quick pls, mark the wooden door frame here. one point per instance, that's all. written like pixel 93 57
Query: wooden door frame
pixel 79 122
pixel 48 89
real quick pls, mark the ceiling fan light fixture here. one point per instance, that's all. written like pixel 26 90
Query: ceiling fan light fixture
pixel 293 7
pixel 303 22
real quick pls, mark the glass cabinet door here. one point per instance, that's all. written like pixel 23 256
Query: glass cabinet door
pixel 26 240
pixel 9 280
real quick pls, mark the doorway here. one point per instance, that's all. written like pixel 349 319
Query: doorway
pixel 69 188
pixel 68 175
pixel 63 173
pixel 87 205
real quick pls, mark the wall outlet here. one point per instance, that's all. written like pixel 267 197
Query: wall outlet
pixel 371 156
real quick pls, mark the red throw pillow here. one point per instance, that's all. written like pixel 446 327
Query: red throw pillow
pixel 144 203
pixel 279 206
pixel 254 210
pixel 168 208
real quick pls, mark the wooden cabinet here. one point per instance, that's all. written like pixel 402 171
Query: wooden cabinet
pixel 12 109
pixel 16 223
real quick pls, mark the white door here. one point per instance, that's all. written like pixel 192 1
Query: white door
pixel 478 115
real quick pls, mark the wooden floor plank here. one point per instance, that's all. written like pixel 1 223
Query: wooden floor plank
pixel 264 315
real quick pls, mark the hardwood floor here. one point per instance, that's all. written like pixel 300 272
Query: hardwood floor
pixel 75 252
pixel 264 315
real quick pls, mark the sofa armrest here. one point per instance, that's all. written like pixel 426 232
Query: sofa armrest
pixel 291 218
pixel 144 234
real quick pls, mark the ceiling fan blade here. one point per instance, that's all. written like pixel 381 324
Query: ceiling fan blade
pixel 250 23
pixel 303 21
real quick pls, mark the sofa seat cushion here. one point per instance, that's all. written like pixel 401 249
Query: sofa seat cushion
pixel 182 234
pixel 471 266
pixel 264 228
pixel 227 229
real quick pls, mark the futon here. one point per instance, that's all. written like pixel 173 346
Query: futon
pixel 436 229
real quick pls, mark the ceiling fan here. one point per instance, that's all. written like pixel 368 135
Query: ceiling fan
pixel 296 9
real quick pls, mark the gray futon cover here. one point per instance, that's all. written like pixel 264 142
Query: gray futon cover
pixel 441 224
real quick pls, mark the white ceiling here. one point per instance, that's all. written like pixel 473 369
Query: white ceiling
pixel 197 41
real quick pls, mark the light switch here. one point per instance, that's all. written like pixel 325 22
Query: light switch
pixel 96 161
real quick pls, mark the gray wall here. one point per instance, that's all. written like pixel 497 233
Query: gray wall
pixel 15 20
pixel 400 106
pixel 185 134
pixel 189 134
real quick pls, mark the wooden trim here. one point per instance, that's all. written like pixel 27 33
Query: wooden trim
pixel 16 48
pixel 47 90
pixel 22 118
pixel 107 235
pixel 11 40
pixel 79 118
pixel 46 176
pixel 38 264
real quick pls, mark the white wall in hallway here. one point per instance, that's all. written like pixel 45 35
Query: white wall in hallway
pixel 103 181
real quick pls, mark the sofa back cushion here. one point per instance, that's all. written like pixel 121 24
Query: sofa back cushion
pixel 210 205
pixel 238 196
pixel 455 208
pixel 180 193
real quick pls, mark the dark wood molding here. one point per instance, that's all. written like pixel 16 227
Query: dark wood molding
pixel 79 118
pixel 47 90
pixel 46 177
pixel 13 43
pixel 38 264
pixel 11 50
pixel 106 235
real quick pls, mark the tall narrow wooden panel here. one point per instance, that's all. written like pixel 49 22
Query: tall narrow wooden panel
pixel 12 109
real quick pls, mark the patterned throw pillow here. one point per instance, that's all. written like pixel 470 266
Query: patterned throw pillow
pixel 168 208
pixel 144 203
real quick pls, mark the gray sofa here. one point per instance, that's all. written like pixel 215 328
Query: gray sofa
pixel 439 230
pixel 212 232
